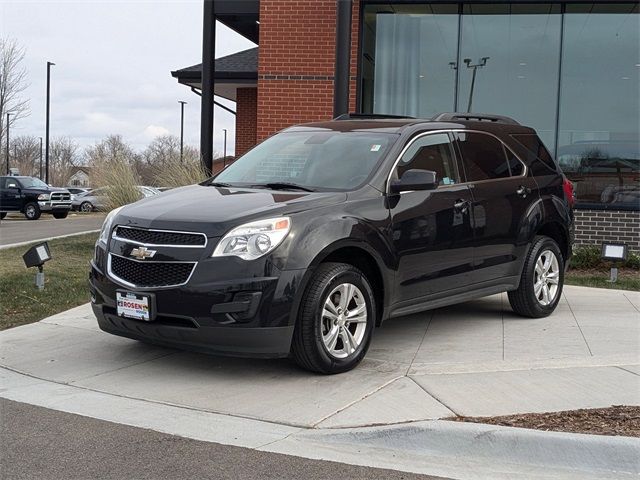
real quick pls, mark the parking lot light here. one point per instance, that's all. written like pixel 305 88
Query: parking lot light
pixel 36 256
pixel 614 252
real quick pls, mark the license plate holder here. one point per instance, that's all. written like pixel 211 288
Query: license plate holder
pixel 137 306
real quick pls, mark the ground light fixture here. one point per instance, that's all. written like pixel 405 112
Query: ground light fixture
pixel 614 252
pixel 36 256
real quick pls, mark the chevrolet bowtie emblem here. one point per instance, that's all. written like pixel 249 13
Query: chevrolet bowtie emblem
pixel 141 253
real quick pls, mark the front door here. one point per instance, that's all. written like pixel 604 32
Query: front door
pixel 431 230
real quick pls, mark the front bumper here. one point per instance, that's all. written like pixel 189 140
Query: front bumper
pixel 250 317
pixel 54 206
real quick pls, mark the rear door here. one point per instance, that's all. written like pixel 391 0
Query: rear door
pixel 502 193
pixel 431 230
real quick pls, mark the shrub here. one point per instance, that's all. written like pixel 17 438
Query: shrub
pixel 591 257
pixel 176 173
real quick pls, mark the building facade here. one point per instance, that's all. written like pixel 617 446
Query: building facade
pixel 568 69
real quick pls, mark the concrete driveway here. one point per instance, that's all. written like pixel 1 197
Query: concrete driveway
pixel 473 359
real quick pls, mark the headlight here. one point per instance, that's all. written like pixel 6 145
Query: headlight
pixel 106 226
pixel 43 197
pixel 253 240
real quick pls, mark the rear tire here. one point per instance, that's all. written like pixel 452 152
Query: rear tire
pixel 60 214
pixel 86 207
pixel 541 281
pixel 335 320
pixel 32 211
pixel 2 215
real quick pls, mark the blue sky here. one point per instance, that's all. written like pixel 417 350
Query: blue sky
pixel 113 67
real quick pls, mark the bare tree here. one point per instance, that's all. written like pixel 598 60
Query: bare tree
pixel 63 156
pixel 13 82
pixel 25 155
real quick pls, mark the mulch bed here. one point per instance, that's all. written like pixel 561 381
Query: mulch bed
pixel 617 420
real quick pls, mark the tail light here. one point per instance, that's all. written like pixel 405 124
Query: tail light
pixel 569 194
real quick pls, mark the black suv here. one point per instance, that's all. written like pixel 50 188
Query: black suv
pixel 325 230
pixel 32 197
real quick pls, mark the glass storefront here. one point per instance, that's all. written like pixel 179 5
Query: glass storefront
pixel 571 71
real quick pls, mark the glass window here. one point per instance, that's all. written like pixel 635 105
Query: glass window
pixel 431 152
pixel 482 156
pixel 600 103
pixel 513 52
pixel 516 167
pixel 408 53
pixel 315 159
pixel 535 153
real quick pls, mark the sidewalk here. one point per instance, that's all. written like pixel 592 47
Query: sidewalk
pixel 475 359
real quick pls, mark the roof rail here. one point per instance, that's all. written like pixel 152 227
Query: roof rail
pixel 372 116
pixel 475 117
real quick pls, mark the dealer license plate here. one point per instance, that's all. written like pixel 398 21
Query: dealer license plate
pixel 132 305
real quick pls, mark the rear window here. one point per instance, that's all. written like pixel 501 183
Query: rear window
pixel 535 149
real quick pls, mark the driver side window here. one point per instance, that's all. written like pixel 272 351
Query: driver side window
pixel 431 152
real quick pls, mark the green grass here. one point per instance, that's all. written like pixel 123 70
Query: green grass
pixel 628 280
pixel 66 276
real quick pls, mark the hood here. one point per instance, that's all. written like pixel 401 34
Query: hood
pixel 216 210
pixel 45 189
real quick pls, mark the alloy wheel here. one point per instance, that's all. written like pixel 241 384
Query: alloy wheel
pixel 344 320
pixel 546 278
pixel 30 211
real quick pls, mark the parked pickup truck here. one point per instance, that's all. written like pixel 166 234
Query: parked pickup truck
pixel 32 197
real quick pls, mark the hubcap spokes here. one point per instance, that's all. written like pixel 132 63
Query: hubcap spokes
pixel 546 278
pixel 344 320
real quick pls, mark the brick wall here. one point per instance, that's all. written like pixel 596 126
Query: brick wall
pixel 296 63
pixel 596 226
pixel 246 119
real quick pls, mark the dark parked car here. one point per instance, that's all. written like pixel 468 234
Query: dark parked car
pixel 325 230
pixel 32 197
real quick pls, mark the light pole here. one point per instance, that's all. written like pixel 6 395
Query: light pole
pixel 8 171
pixel 182 104
pixel 225 145
pixel 46 151
pixel 40 158
pixel 480 64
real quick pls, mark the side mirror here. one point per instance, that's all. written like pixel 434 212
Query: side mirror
pixel 415 179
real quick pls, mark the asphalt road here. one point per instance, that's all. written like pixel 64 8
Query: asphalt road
pixel 37 442
pixel 17 229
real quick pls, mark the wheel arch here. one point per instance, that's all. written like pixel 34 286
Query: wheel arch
pixel 361 256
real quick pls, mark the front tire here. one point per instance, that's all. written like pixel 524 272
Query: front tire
pixel 60 215
pixel 541 282
pixel 32 211
pixel 336 320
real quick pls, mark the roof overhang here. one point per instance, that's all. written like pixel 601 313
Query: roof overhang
pixel 238 70
pixel 242 16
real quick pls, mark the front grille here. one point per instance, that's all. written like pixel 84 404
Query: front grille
pixel 150 274
pixel 161 237
pixel 60 197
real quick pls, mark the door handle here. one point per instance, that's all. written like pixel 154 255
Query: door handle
pixel 461 206
pixel 523 191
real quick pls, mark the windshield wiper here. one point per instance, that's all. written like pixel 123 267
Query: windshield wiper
pixel 219 184
pixel 284 186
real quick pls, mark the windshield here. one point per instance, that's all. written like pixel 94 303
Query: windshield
pixel 314 159
pixel 30 182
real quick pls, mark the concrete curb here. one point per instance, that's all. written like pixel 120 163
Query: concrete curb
pixel 479 451
pixel 39 240
pixel 450 449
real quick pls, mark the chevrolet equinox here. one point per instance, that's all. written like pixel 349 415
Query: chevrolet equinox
pixel 325 230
